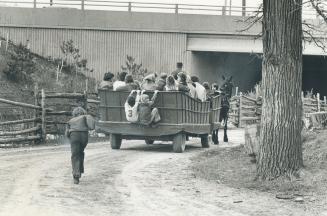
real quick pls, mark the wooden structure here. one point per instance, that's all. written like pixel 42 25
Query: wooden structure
pixel 315 120
pixel 21 130
pixel 314 104
pixel 181 116
pixel 51 111
pixel 247 110
pixel 252 138
pixel 58 108
pixel 244 110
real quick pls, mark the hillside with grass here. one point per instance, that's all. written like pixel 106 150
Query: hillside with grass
pixel 22 70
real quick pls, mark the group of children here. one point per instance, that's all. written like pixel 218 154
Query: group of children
pixel 138 107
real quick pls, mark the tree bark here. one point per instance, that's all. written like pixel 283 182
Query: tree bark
pixel 280 137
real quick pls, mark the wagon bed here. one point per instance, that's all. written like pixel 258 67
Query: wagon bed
pixel 180 114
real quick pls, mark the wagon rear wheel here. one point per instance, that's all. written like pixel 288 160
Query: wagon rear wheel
pixel 179 142
pixel 115 141
pixel 149 141
pixel 205 141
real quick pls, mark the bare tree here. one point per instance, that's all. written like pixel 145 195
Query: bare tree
pixel 280 138
pixel 282 34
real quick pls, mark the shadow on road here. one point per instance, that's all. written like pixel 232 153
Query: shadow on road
pixel 162 147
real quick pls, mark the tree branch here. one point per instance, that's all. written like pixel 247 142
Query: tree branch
pixel 318 6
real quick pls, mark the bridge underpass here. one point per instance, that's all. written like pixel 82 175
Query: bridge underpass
pixel 241 57
pixel 209 45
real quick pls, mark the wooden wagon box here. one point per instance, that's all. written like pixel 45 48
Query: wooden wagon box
pixel 180 114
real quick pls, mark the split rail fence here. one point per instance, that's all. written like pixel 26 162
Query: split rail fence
pixel 51 111
pixel 247 110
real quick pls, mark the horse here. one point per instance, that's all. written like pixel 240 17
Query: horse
pixel 226 93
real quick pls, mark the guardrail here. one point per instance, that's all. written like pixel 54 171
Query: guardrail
pixel 142 7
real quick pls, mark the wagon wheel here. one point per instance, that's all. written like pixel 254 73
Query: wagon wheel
pixel 179 142
pixel 205 141
pixel 149 141
pixel 115 141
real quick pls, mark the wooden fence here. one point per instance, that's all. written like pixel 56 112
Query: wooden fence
pixel 314 104
pixel 244 109
pixel 247 110
pixel 21 130
pixel 51 111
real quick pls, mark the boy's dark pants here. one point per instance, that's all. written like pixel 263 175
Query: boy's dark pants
pixel 78 142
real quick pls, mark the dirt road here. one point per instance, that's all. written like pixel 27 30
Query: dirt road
pixel 136 180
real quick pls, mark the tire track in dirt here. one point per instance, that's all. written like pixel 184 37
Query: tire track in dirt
pixel 163 184
pixel 145 194
pixel 136 180
pixel 43 184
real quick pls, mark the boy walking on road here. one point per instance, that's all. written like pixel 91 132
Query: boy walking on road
pixel 77 132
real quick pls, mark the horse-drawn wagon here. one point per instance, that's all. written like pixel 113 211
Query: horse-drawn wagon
pixel 181 116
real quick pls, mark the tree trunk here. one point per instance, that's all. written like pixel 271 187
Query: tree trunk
pixel 280 137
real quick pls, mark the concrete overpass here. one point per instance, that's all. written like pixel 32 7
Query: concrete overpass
pixel 208 45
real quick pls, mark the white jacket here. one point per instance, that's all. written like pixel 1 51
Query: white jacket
pixel 200 92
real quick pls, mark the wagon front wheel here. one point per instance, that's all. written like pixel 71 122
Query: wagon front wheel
pixel 115 141
pixel 205 141
pixel 179 143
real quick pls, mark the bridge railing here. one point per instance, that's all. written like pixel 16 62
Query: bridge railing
pixel 134 6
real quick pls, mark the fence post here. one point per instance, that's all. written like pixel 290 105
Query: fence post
pixel 325 100
pixel 43 116
pixel 51 2
pixel 240 111
pixel 256 91
pixel 176 8
pixel 36 104
pixel 318 102
pixel 87 85
pixel 236 90
pixel 129 6
pixel 7 41
pixel 34 3
pixel 85 101
pixel 82 4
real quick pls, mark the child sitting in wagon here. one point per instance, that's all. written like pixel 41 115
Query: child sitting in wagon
pixel 131 106
pixel 148 115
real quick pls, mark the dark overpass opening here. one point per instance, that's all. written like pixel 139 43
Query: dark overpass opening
pixel 315 74
pixel 246 69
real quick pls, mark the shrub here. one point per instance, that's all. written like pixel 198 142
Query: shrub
pixel 21 65
pixel 137 70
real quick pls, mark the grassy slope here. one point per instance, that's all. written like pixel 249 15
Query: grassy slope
pixel 233 168
pixel 43 72
pixel 40 70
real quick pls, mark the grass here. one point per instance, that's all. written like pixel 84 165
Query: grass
pixel 233 167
